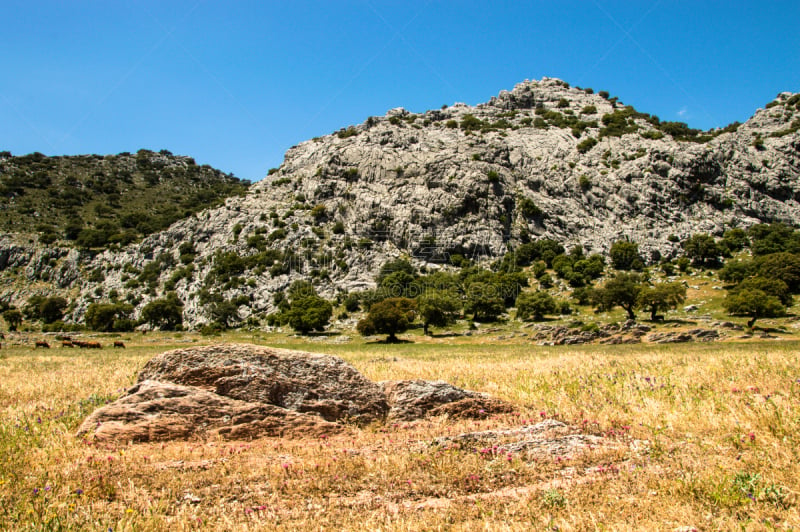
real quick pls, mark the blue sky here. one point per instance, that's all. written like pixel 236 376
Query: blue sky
pixel 235 84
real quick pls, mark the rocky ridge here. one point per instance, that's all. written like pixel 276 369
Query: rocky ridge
pixel 542 160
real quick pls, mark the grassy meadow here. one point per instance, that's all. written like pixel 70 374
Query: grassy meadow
pixel 710 438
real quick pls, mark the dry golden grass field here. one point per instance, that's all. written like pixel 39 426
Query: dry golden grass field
pixel 702 436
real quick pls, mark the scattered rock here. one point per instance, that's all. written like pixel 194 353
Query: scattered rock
pixel 414 399
pixel 702 335
pixel 546 438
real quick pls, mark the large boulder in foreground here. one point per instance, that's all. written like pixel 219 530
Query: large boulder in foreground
pixel 295 380
pixel 244 391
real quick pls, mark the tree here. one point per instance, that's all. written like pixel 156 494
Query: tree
pixel 52 309
pixel 702 249
pixel 734 240
pixel 390 316
pixel 753 303
pixel 661 297
pixel 397 284
pixel 165 314
pixel 622 289
pixel 771 287
pixel 783 266
pixel 534 305
pixel 625 255
pixel 437 308
pixel 13 318
pixel 225 313
pixel 109 316
pixel 484 301
pixel 773 238
pixel 309 313
pixel 736 271
pixel 397 265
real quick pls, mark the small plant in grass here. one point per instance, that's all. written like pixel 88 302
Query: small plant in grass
pixel 554 499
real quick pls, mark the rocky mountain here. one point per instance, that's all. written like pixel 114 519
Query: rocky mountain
pixel 542 160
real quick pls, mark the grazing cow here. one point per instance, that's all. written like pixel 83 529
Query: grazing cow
pixel 119 343
pixel 67 343
pixel 42 344
pixel 93 345
pixel 80 343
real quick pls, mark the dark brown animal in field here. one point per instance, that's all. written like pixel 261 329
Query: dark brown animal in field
pixel 93 345
pixel 80 343
pixel 42 344
pixel 67 343
pixel 119 343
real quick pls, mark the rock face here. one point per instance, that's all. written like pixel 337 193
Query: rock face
pixel 244 392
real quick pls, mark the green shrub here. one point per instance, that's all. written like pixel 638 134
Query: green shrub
pixel 347 133
pixel 587 144
pixel 529 209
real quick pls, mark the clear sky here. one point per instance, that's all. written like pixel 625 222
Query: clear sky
pixel 234 84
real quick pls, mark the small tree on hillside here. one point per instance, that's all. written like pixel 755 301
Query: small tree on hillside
pixel 52 309
pixel 771 287
pixel 484 301
pixel 437 308
pixel 13 318
pixel 390 316
pixel 753 303
pixel 108 317
pixel 703 249
pixel 309 313
pixel 661 297
pixel 534 305
pixel 622 289
pixel 224 313
pixel 165 314
pixel 625 256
